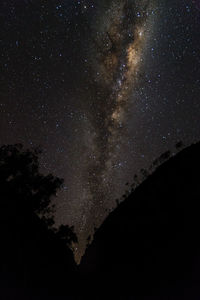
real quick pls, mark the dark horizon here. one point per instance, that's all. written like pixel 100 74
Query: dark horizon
pixel 151 238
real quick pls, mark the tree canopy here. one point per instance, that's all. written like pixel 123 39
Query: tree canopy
pixel 33 251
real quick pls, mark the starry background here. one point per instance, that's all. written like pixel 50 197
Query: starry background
pixel 103 87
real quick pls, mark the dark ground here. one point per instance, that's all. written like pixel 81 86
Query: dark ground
pixel 148 247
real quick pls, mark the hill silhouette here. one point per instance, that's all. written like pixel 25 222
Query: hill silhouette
pixel 150 244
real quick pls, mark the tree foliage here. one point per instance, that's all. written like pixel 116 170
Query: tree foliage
pixel 25 191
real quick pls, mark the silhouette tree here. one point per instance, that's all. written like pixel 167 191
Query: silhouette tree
pixel 33 251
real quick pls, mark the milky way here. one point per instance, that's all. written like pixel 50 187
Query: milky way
pixel 118 41
pixel 103 87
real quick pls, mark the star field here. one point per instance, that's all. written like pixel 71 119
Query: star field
pixel 103 87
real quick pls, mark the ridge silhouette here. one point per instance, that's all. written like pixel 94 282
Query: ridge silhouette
pixel 149 245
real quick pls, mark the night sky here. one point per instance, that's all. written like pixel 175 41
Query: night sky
pixel 103 87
